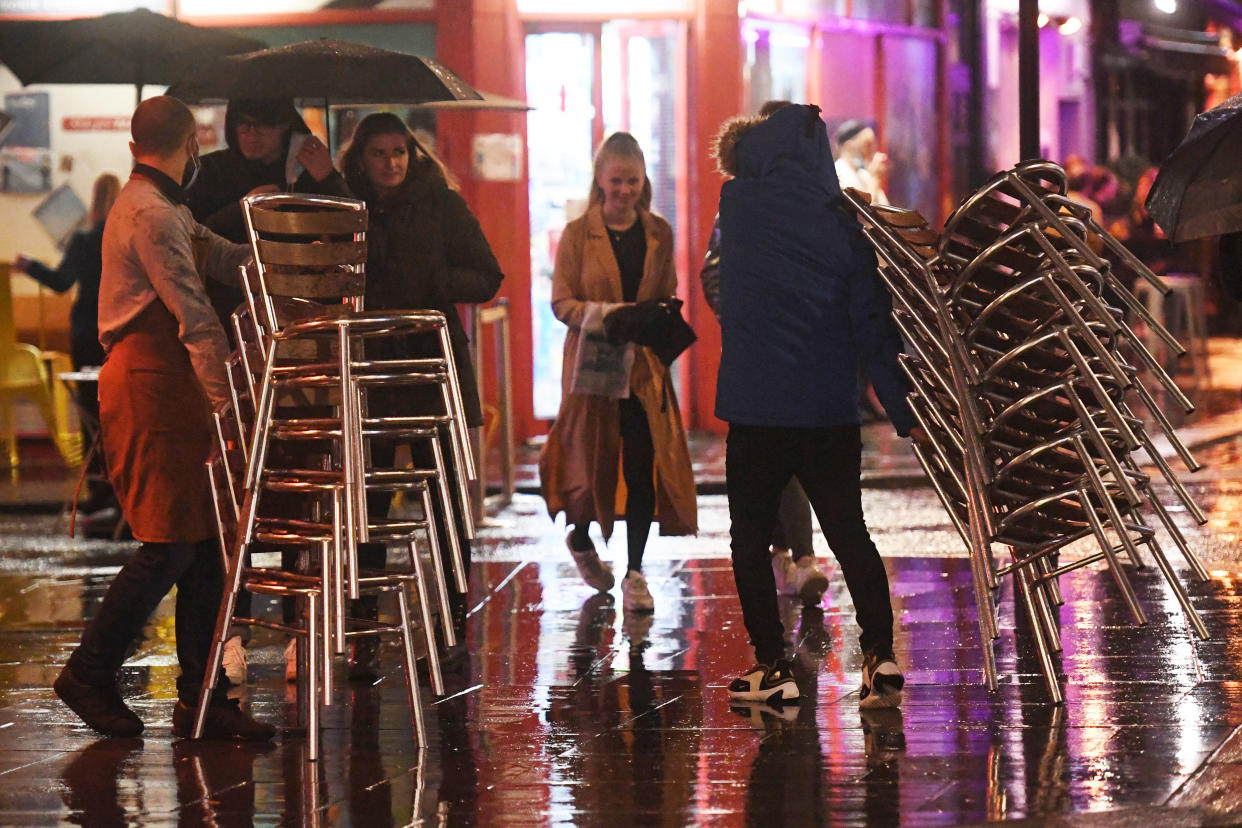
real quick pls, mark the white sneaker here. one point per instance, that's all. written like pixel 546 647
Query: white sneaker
pixel 635 597
pixel 785 571
pixel 882 681
pixel 809 580
pixel 291 660
pixel 235 660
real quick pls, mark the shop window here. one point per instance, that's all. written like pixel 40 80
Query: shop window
pixel 559 72
pixel 847 78
pixel 775 62
pixel 926 13
pixel 911 132
pixel 881 11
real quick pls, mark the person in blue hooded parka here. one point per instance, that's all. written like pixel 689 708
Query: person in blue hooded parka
pixel 801 306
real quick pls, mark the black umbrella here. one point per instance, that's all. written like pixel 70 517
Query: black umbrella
pixel 1198 191
pixel 333 71
pixel 137 47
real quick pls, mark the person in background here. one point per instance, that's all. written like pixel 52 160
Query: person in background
pixel 1138 231
pixel 269 150
pixel 163 372
pixel 617 252
pixel 859 163
pixel 801 307
pixel 425 251
pixel 81 266
pixel 793 556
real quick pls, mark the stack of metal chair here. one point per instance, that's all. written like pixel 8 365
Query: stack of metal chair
pixel 294 463
pixel 1023 369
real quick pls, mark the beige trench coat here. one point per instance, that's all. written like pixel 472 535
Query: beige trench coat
pixel 579 467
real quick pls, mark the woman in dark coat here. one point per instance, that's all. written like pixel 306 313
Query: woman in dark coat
pixel 81 266
pixel 425 251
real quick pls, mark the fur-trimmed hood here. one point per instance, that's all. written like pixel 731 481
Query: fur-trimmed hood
pixel 724 149
pixel 791 143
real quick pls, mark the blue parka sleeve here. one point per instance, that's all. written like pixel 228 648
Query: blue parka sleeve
pixel 876 335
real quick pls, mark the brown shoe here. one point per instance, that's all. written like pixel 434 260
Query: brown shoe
pixel 225 720
pixel 99 706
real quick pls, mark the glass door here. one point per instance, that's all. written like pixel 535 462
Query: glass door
pixel 584 85
pixel 561 78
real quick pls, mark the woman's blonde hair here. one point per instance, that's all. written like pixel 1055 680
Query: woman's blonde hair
pixel 423 163
pixel 103 195
pixel 619 145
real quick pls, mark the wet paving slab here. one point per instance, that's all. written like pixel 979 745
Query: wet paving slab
pixel 571 712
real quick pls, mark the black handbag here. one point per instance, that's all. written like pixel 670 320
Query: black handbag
pixel 656 324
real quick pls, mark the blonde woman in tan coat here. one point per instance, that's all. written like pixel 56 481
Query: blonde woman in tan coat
pixel 617 252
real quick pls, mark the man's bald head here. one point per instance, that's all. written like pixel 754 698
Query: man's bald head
pixel 160 126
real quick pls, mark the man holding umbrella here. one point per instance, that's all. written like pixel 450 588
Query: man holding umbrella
pixel 164 369
pixel 269 149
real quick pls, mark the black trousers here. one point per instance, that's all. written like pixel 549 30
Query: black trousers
pixel 638 468
pixel 759 462
pixel 135 592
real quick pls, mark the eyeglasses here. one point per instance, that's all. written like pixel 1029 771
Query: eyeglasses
pixel 251 125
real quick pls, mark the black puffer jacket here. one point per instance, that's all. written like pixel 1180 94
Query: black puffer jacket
pixel 425 250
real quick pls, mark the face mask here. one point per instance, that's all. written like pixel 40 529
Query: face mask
pixel 192 169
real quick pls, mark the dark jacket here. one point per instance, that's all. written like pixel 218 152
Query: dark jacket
pixel 226 176
pixel 81 266
pixel 425 250
pixel 709 275
pixel 215 199
pixel 801 302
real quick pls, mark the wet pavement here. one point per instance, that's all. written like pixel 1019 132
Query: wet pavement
pixel 570 712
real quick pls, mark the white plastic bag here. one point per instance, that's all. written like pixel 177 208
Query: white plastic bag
pixel 601 368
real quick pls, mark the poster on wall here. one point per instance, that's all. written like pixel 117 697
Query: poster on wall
pixel 31 113
pixel 60 214
pixel 26 158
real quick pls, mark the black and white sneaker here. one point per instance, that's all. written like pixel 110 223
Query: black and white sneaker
pixel 770 683
pixel 881 680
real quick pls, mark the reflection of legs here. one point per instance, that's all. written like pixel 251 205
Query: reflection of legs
pixel 829 466
pixel 90 779
pixel 756 469
pixel 370 792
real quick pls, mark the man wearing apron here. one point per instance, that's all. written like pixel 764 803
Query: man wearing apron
pixel 164 370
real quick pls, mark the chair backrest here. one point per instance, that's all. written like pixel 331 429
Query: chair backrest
pixel 308 247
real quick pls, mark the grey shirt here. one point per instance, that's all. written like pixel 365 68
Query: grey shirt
pixel 149 248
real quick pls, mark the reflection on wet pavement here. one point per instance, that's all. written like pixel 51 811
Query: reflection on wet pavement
pixel 572 712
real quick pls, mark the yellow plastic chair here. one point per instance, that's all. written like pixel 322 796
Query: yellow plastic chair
pixel 24 375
